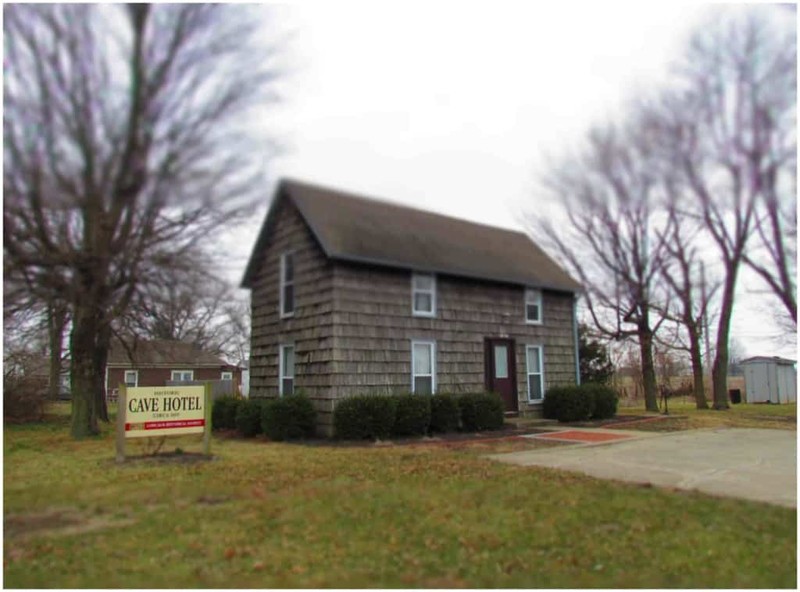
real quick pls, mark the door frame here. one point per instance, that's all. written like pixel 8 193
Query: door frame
pixel 488 366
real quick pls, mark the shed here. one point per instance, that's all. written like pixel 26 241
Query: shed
pixel 770 379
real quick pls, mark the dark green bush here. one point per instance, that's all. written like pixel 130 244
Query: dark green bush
pixel 363 417
pixel 248 417
pixel 605 400
pixel 445 414
pixel 223 413
pixel 288 418
pixel 568 403
pixel 412 415
pixel 481 411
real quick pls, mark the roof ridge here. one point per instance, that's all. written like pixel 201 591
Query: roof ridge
pixel 347 194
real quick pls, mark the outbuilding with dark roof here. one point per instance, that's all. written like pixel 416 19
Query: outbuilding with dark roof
pixel 352 295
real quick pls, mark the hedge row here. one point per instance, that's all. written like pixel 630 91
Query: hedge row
pixel 579 403
pixel 379 417
pixel 287 418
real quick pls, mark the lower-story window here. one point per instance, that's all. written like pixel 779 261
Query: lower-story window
pixel 286 368
pixel 182 375
pixel 533 355
pixel 226 376
pixel 423 367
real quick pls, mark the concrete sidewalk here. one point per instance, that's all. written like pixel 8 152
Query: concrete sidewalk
pixel 754 464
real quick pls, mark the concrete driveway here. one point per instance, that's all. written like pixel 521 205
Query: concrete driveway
pixel 754 464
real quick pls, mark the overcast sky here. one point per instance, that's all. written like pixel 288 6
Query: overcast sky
pixel 454 107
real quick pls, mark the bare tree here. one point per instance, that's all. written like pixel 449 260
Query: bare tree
pixel 126 144
pixel 32 317
pixel 679 270
pixel 776 228
pixel 189 304
pixel 729 133
pixel 608 194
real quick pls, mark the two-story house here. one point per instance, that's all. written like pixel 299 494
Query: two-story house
pixel 355 296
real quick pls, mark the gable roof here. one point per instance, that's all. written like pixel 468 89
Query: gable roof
pixel 358 229
pixel 162 352
pixel 761 359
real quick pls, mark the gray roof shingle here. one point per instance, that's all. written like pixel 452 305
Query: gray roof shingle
pixel 357 229
pixel 162 352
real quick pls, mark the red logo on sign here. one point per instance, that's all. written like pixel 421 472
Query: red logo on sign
pixel 166 425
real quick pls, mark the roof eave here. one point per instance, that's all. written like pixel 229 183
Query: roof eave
pixel 454 273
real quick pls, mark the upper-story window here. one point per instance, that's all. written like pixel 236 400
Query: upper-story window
pixel 423 294
pixel 287 285
pixel 533 306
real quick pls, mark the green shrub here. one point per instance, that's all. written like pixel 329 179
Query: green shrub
pixel 605 400
pixel 445 414
pixel 412 415
pixel 288 418
pixel 568 403
pixel 223 413
pixel 363 417
pixel 248 417
pixel 481 411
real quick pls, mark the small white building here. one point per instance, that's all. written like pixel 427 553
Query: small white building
pixel 770 380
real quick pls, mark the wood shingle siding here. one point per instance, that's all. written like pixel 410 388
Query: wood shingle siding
pixel 373 329
pixel 310 329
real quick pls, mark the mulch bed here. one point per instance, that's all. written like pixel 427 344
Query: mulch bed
pixel 508 432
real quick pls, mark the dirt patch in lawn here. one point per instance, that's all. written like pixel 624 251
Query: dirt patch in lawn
pixel 57 522
pixel 167 458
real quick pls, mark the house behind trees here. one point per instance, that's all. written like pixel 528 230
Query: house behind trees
pixel 159 362
pixel 358 296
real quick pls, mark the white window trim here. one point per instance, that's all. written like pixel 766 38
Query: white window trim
pixel 537 300
pixel 136 377
pixel 222 375
pixel 282 284
pixel 281 355
pixel 528 372
pixel 433 364
pixel 172 375
pixel 432 292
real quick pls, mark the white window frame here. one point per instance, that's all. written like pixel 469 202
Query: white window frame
pixel 432 375
pixel 528 373
pixel 533 296
pixel 432 292
pixel 181 372
pixel 282 348
pixel 223 374
pixel 283 284
pixel 135 377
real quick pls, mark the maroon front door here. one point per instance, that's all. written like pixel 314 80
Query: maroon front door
pixel 500 369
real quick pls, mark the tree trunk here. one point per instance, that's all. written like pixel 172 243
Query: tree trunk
pixel 696 355
pixel 56 323
pixel 648 367
pixel 89 347
pixel 719 371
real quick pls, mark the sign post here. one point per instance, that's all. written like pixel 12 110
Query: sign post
pixel 147 412
pixel 207 395
pixel 121 403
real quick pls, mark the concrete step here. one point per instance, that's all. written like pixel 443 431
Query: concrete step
pixel 531 422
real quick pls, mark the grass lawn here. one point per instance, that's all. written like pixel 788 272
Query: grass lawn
pixel 739 416
pixel 278 515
